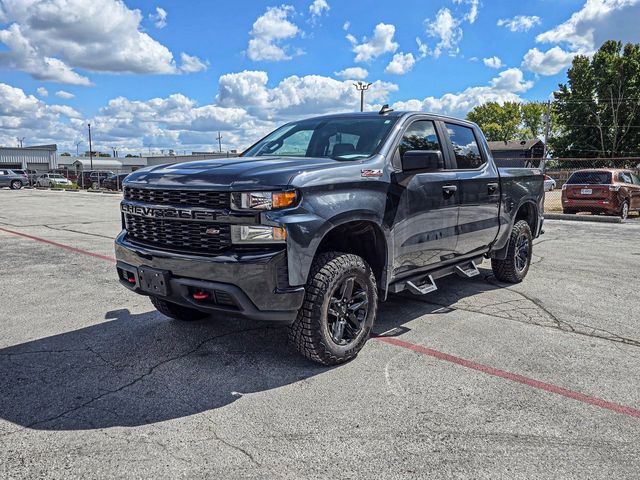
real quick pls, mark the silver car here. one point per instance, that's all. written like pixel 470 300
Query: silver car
pixel 8 178
pixel 51 179
pixel 549 184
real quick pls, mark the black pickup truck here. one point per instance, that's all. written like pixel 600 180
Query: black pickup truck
pixel 324 217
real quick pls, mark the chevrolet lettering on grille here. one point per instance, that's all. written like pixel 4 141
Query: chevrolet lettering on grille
pixel 168 212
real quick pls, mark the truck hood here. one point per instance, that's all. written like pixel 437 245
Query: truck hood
pixel 240 173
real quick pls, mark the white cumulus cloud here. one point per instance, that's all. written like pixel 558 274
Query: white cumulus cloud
pixel 52 39
pixel 550 62
pixel 64 94
pixel 380 43
pixel 159 18
pixel 318 7
pixel 401 63
pixel 269 32
pixel 493 62
pixel 192 64
pixel 353 73
pixel 446 29
pixel 43 92
pixel 519 23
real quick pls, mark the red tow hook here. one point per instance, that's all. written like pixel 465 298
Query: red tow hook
pixel 200 295
pixel 131 280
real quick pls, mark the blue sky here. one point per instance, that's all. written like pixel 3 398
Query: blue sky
pixel 170 74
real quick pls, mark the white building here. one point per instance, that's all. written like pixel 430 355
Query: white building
pixel 41 158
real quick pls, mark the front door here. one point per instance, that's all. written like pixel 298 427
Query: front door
pixel 4 178
pixel 423 205
pixel 478 191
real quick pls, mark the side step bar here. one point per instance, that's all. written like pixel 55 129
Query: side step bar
pixel 427 287
pixel 467 270
pixel 425 282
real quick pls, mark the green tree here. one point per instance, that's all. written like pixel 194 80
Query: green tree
pixel 532 117
pixel 598 110
pixel 498 122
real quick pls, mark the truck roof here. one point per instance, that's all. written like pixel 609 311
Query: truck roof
pixel 393 114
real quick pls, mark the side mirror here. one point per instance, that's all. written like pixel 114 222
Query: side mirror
pixel 418 161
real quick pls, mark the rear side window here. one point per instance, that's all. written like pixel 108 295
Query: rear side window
pixel 590 178
pixel 625 177
pixel 420 135
pixel 465 147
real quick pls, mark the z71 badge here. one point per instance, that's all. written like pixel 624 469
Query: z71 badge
pixel 372 173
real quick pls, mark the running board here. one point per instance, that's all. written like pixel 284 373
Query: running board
pixel 467 270
pixel 423 289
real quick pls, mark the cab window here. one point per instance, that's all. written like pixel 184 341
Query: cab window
pixel 421 135
pixel 465 147
pixel 625 177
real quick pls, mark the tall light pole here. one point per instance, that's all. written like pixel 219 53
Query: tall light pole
pixel 77 147
pixel 362 87
pixel 219 137
pixel 20 140
pixel 90 149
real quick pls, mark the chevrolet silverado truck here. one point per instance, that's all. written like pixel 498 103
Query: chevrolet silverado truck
pixel 317 222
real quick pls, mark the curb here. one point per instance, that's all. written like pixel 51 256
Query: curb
pixel 581 218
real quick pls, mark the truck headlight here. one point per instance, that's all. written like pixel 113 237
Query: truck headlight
pixel 257 234
pixel 263 200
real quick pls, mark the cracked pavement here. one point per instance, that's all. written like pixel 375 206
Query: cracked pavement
pixel 94 383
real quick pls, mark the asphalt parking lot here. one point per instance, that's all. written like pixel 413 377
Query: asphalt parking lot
pixel 477 380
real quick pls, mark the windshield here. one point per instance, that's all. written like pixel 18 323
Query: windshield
pixel 56 176
pixel 590 178
pixel 348 138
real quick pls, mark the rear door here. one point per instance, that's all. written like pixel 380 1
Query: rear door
pixel 424 214
pixel 633 187
pixel 589 185
pixel 479 190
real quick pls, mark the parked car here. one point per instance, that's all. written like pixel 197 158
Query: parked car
pixel 114 182
pixel 92 178
pixel 315 222
pixel 52 179
pixel 549 184
pixel 602 190
pixel 25 177
pixel 8 178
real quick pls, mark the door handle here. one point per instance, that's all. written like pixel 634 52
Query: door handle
pixel 449 190
pixel 493 187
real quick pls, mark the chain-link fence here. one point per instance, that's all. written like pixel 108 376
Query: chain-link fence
pixel 95 180
pixel 597 186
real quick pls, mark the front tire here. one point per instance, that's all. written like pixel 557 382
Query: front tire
pixel 338 311
pixel 177 312
pixel 515 266
pixel 16 185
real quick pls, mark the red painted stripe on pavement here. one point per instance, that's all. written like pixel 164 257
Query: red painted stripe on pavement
pixel 60 245
pixel 514 377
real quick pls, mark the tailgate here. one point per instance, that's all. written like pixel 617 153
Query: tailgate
pixel 587 192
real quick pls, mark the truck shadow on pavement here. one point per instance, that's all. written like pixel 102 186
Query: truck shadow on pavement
pixel 137 369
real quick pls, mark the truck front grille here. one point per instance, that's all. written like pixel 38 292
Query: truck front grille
pixel 190 237
pixel 197 198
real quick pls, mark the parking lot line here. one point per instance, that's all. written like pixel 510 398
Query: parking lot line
pixel 581 397
pixel 514 377
pixel 59 245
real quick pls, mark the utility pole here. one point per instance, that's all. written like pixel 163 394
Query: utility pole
pixel 77 149
pixel 20 140
pixel 115 152
pixel 547 127
pixel 219 137
pixel 90 148
pixel 362 87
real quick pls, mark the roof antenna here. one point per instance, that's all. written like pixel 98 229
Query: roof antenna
pixel 385 109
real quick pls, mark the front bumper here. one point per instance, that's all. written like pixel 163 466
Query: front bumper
pixel 246 284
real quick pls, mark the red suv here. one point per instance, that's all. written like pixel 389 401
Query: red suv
pixel 609 191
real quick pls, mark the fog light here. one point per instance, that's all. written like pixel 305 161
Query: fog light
pixel 257 234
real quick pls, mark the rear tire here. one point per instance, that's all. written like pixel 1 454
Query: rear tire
pixel 515 266
pixel 16 185
pixel 177 312
pixel 338 311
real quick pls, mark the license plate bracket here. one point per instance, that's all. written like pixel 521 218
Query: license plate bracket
pixel 154 281
pixel 586 191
